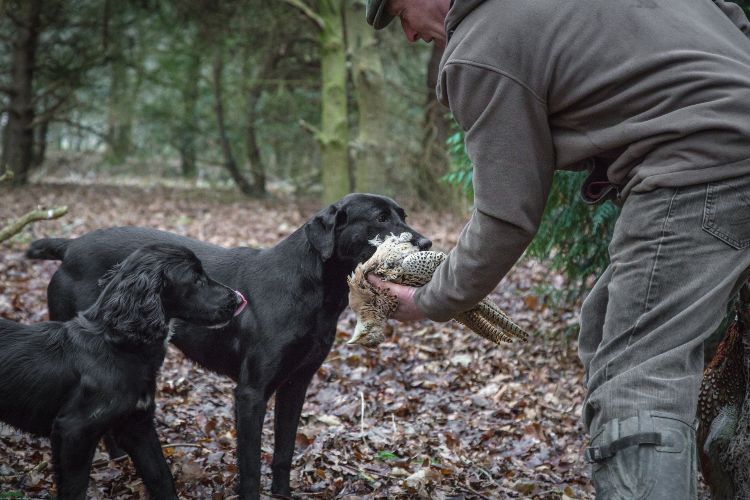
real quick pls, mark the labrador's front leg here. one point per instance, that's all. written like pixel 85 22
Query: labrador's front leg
pixel 250 409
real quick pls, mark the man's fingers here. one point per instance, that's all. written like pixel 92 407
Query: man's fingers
pixel 375 280
pixel 407 309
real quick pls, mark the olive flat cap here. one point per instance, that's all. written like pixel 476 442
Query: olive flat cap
pixel 376 14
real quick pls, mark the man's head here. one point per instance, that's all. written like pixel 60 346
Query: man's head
pixel 420 19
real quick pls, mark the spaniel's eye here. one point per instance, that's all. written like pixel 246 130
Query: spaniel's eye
pixel 383 218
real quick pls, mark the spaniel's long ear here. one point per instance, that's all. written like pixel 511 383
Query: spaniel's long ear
pixel 107 276
pixel 321 230
pixel 130 305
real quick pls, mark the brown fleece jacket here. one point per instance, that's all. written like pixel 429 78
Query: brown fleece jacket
pixel 658 91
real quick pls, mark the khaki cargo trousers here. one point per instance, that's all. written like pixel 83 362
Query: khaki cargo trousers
pixel 676 258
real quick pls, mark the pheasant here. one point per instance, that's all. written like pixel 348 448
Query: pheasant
pixel 398 261
pixel 723 411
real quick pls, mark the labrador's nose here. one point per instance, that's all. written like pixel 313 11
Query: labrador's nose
pixel 424 243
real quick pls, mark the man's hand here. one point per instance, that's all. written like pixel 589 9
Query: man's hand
pixel 407 308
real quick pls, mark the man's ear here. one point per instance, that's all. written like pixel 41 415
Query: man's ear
pixel 321 230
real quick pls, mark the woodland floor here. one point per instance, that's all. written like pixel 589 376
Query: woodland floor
pixel 435 412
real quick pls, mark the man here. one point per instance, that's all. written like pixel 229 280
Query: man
pixel 653 97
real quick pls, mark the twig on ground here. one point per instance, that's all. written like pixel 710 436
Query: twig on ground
pixel 182 445
pixel 466 461
pixel 362 413
pixel 469 489
pixel 105 461
pixel 362 418
pixel 16 226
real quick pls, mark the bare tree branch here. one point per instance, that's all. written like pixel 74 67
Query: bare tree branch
pixel 301 5
pixel 81 126
pixel 51 89
pixel 47 114
pixel 315 131
pixel 15 227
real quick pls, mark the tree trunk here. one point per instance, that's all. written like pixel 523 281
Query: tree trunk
pixel 226 148
pixel 257 169
pixel 188 128
pixel 334 129
pixel 124 53
pixel 19 141
pixel 119 119
pixel 434 162
pixel 370 172
pixel 255 68
pixel 40 151
pixel 5 139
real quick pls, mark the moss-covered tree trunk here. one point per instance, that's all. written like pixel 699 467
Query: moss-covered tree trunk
pixel 18 152
pixel 433 164
pixel 370 170
pixel 334 130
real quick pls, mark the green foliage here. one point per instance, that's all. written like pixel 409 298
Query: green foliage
pixel 572 236
pixel 142 72
pixel 387 455
pixel 461 173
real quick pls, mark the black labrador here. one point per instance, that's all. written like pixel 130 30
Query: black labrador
pixel 296 292
pixel 96 373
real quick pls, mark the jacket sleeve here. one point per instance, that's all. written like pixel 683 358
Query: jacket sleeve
pixel 735 13
pixel 510 145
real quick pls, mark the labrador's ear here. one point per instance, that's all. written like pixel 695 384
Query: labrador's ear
pixel 321 230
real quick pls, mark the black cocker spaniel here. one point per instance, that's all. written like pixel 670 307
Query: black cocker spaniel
pixel 96 373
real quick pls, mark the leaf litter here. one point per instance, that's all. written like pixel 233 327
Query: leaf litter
pixel 435 412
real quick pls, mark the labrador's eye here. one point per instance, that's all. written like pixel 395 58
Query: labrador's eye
pixel 383 218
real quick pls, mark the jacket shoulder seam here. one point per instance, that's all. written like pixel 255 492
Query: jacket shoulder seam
pixel 494 69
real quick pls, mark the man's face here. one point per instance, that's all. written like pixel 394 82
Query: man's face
pixel 421 19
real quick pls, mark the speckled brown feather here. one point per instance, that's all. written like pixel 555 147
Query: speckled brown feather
pixel 722 389
pixel 398 261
